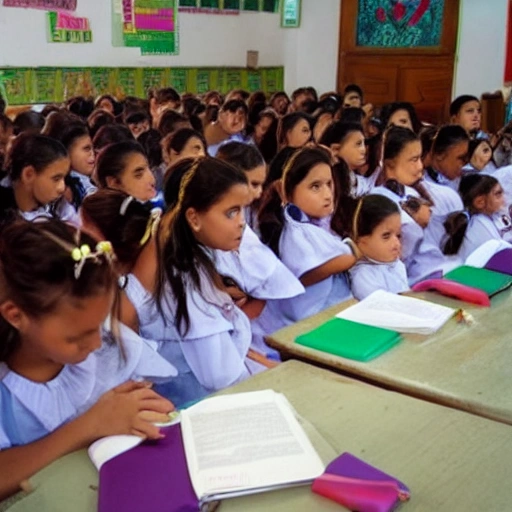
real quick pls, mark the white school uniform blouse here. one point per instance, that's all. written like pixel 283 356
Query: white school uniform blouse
pixel 214 349
pixel 260 274
pixel 481 229
pixel 433 176
pixel 368 276
pixel 304 246
pixel 31 410
pixel 503 218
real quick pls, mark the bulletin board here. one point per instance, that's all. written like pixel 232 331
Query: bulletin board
pixel 23 86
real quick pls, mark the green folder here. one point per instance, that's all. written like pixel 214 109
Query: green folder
pixel 486 280
pixel 349 339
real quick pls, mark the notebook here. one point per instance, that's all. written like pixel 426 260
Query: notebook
pixel 399 313
pixel 349 339
pixel 489 281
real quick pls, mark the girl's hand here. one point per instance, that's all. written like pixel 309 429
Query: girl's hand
pixel 130 408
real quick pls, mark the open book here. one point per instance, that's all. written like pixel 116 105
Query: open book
pixel 399 313
pixel 246 443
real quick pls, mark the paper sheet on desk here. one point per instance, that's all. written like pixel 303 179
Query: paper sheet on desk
pixel 398 313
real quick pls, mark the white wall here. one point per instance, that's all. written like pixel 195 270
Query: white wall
pixel 308 53
pixel 480 63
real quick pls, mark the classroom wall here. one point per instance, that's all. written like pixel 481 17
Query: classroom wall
pixel 309 53
pixel 481 51
pixel 205 40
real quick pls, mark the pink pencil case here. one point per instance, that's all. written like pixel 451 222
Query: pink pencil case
pixel 359 486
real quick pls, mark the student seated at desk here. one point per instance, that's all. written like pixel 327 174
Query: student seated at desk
pixel 62 385
pixel 481 221
pixel 377 232
pixel 300 232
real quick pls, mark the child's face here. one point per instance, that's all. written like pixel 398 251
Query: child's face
pixel 136 180
pixel 481 156
pixel 384 243
pixel 495 200
pixel 407 167
pixel 262 127
pixel 222 225
pixel 469 116
pixel 256 178
pixel 352 99
pixel 47 186
pixel 453 160
pixel 69 333
pixel 401 118
pixel 193 148
pixel 82 155
pixel 232 122
pixel 314 195
pixel 139 128
pixel 353 150
pixel 299 135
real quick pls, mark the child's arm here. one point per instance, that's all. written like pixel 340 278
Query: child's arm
pixel 128 409
pixel 335 266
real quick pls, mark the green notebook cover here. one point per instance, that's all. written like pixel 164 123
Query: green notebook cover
pixel 349 339
pixel 486 280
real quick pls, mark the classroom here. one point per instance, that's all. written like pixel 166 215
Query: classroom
pixel 255 255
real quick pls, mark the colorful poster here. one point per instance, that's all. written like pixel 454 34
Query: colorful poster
pixel 400 23
pixel 150 25
pixel 290 13
pixel 64 28
pixel 54 85
pixel 48 5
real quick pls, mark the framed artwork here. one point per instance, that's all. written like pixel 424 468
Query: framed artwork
pixel 400 23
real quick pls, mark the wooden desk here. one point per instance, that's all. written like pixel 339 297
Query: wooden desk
pixel 452 461
pixel 461 366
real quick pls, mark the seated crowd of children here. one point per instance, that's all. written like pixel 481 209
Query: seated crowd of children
pixel 147 247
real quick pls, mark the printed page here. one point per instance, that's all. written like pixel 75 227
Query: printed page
pixel 398 312
pixel 246 441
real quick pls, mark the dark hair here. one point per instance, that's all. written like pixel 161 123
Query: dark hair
pixel 270 215
pixel 238 92
pixel 37 151
pixel 178 139
pixel 471 186
pixel 395 140
pixel 275 169
pixel 411 205
pixel 473 145
pixel 37 272
pixel 330 102
pixel 192 106
pixel 299 91
pixel 108 97
pixel 133 116
pixel 49 108
pixel 181 253
pixel 5 123
pixel 80 106
pixel 2 105
pixel 125 230
pixel 245 157
pixel 110 134
pixel 28 121
pixel 287 122
pixel 371 211
pixel 337 132
pixel 213 94
pixel 98 119
pixel 112 160
pixel 352 115
pixel 448 136
pixel 459 102
pixel 427 136
pixel 166 95
pixel 353 88
pixel 234 106
pixel 390 108
pixel 151 142
pixel 211 114
pixel 69 133
pixel 255 98
pixel 169 120
pixel 345 205
pixel 172 180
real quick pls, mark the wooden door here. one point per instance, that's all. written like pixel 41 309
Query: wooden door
pixel 400 50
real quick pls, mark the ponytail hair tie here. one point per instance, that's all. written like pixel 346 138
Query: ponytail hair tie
pixel 124 205
pixel 355 233
pixel 151 226
pixel 466 214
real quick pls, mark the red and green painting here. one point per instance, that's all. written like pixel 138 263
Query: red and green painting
pixel 400 23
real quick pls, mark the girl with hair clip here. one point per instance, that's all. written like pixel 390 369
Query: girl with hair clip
pixel 295 220
pixel 449 154
pixel 469 229
pixel 124 166
pixel 347 143
pixel 37 167
pixel 400 180
pixel 377 232
pixel 63 383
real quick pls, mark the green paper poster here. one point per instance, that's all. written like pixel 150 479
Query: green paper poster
pixel 290 13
